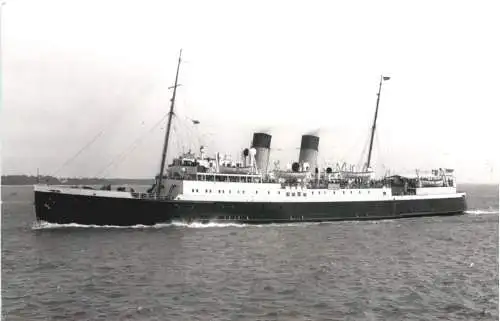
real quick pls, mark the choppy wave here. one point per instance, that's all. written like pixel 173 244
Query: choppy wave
pixel 482 211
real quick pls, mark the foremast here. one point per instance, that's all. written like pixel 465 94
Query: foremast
pixel 167 133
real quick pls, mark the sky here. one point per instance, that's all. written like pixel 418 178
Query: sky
pixel 76 70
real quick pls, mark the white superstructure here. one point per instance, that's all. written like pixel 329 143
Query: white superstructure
pixel 250 188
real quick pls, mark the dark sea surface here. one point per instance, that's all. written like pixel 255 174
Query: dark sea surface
pixel 442 268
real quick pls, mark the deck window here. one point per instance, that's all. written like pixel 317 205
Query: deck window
pixel 287 193
pixel 298 193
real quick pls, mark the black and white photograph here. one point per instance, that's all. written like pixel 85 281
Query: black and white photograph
pixel 249 160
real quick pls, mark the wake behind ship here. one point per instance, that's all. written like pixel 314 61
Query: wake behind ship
pixel 198 187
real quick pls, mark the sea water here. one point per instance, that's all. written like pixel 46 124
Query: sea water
pixel 406 269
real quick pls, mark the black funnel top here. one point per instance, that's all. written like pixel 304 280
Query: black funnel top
pixel 309 142
pixel 261 140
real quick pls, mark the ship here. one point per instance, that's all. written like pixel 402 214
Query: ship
pixel 197 187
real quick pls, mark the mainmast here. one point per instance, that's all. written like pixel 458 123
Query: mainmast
pixel 382 78
pixel 167 133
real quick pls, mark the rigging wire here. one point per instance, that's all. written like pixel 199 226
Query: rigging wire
pixel 185 132
pixel 380 154
pixel 359 139
pixel 173 143
pixel 176 142
pixel 361 164
pixel 78 153
pixel 178 132
pixel 115 120
pixel 191 126
pixel 121 157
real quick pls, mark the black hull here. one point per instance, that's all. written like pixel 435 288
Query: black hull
pixel 93 210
